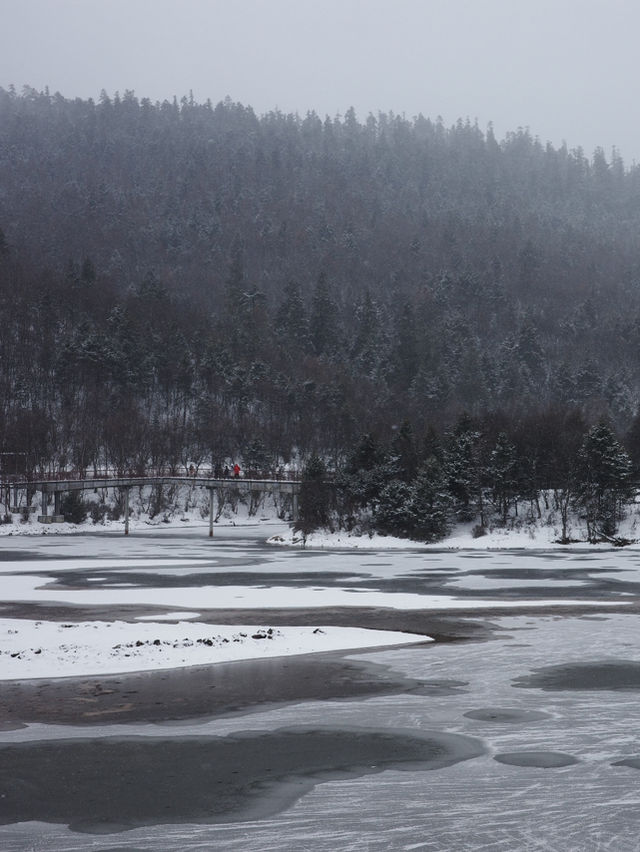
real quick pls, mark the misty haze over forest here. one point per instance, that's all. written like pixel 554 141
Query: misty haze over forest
pixel 194 281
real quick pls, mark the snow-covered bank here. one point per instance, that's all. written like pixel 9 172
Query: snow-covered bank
pixel 278 532
pixel 462 538
pixel 38 649
pixel 535 535
pixel 142 524
pixel 187 509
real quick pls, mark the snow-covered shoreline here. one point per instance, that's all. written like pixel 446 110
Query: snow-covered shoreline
pixel 280 533
pixel 461 538
pixel 188 512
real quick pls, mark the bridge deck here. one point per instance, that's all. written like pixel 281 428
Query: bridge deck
pixel 50 486
pixel 58 486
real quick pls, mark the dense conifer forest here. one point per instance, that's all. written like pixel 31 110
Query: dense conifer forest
pixel 439 316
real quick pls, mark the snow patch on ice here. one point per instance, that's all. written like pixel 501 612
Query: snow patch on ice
pixel 168 616
pixel 38 649
pixel 29 587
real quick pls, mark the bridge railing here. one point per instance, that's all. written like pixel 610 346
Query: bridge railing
pixel 207 472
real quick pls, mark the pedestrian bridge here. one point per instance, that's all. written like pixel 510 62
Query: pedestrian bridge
pixel 58 487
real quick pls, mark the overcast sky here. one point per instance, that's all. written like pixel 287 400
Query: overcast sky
pixel 566 69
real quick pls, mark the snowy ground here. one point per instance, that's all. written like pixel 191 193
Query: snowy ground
pixel 523 536
pixel 36 649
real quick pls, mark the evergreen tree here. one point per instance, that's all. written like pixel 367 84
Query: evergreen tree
pixel 632 443
pixel 323 321
pixel 255 457
pixel 367 472
pixel 366 456
pixel 463 468
pixel 431 445
pixel 4 246
pixel 73 507
pixel 529 349
pixel 314 506
pixel 604 481
pixel 502 474
pixel 431 503
pixel 367 351
pixel 392 514
pixel 417 510
pixel 404 357
pixel 291 321
pixel 404 455
pixel 245 311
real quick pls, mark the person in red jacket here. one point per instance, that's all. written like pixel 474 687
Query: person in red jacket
pixel 236 469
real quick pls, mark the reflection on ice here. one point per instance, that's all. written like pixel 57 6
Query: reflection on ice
pixel 609 674
pixel 502 715
pixel 536 759
pixel 115 784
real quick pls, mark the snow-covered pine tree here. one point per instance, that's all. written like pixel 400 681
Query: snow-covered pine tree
pixel 604 481
pixel 502 474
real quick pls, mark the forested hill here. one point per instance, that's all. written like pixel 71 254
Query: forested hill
pixel 204 277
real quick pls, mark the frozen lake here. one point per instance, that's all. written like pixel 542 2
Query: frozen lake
pixel 515 729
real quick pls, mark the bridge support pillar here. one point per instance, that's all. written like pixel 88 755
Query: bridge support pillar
pixel 44 503
pixel 57 495
pixel 294 507
pixel 210 490
pixel 126 511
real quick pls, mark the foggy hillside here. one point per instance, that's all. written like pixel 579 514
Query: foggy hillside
pixel 192 280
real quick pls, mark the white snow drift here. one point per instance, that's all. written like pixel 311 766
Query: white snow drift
pixel 39 649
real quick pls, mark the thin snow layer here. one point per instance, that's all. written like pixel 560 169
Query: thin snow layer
pixel 191 520
pixel 461 537
pixel 38 649
pixel 25 565
pixel 525 537
pixel 168 616
pixel 476 583
pixel 34 588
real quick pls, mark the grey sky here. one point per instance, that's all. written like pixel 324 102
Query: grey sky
pixel 567 69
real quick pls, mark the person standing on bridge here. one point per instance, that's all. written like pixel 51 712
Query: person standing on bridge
pixel 236 470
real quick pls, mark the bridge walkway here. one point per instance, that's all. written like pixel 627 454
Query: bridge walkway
pixel 58 487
